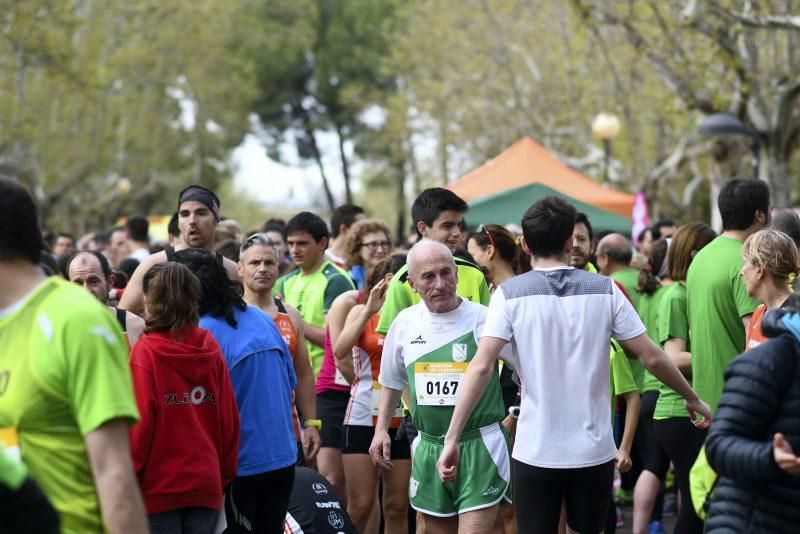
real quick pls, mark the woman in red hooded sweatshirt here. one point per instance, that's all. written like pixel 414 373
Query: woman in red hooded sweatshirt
pixel 184 448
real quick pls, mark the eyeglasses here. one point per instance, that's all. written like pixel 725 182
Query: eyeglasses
pixel 481 230
pixel 375 245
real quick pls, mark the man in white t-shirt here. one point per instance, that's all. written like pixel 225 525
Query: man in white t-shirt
pixel 559 321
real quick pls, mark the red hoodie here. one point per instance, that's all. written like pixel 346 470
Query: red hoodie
pixel 184 448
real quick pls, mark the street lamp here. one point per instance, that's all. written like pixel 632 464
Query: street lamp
pixel 724 124
pixel 606 127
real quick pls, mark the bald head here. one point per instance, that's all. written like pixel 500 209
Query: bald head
pixel 614 252
pixel 426 249
pixel 89 270
pixel 432 274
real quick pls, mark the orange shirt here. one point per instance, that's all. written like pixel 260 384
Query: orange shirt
pixel 754 335
pixel 289 334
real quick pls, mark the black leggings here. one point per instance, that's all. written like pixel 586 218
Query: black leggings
pixel 258 503
pixel 682 441
pixel 585 491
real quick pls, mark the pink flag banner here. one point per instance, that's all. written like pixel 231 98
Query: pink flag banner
pixel 640 216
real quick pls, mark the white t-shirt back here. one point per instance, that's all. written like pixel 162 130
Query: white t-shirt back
pixel 559 322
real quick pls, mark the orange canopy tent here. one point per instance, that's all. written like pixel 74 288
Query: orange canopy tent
pixel 527 162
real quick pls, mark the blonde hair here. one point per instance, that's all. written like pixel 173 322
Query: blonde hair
pixel 773 251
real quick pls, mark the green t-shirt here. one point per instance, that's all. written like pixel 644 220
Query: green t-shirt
pixel 622 381
pixel 673 322
pixel 648 310
pixel 716 300
pixel 629 278
pixel 471 286
pixel 313 295
pixel 63 373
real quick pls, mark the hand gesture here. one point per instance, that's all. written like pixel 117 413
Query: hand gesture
pixel 381 450
pixel 311 443
pixel 378 295
pixel 695 407
pixel 623 461
pixel 784 455
pixel 448 462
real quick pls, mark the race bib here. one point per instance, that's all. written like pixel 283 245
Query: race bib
pixel 437 382
pixel 339 379
pixel 376 401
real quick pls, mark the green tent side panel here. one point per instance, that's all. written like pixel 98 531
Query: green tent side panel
pixel 509 206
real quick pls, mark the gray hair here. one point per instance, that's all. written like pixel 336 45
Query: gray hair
pixel 261 239
pixel 421 247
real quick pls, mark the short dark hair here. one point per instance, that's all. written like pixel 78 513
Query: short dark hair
pixel 305 221
pixel 100 257
pixel 739 200
pixel 20 236
pixel 128 266
pixel 220 295
pixel 275 227
pixel 432 202
pixel 788 222
pixel 658 225
pixel 344 215
pixel 581 218
pixel 67 235
pixel 172 228
pixel 137 226
pixel 547 225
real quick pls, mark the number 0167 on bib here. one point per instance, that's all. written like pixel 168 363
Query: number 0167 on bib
pixel 437 383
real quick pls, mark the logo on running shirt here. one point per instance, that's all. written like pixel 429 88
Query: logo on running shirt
pixel 319 488
pixel 491 490
pixel 197 396
pixel 419 341
pixel 459 352
pixel 335 520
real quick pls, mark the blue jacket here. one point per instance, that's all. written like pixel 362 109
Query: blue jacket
pixel 263 378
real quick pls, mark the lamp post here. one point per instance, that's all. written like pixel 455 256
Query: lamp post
pixel 606 127
pixel 725 124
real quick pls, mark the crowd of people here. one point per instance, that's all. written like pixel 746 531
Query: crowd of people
pixel 310 376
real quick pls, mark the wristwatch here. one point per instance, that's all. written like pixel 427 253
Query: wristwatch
pixel 513 411
pixel 316 423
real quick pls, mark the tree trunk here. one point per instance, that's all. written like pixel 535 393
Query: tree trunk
pixel 776 161
pixel 345 166
pixel 318 158
pixel 400 203
pixel 715 172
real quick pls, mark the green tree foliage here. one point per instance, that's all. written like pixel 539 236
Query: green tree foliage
pixel 92 92
pixel 319 71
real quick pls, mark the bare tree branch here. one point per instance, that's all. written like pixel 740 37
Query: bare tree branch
pixel 770 22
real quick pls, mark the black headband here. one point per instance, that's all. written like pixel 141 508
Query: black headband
pixel 200 194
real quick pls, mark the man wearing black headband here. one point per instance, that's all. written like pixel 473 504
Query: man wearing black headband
pixel 198 215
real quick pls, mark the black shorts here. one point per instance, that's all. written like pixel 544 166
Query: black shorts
pixel 653 456
pixel 331 406
pixel 357 439
pixel 585 491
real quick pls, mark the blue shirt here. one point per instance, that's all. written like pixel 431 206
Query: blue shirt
pixel 262 374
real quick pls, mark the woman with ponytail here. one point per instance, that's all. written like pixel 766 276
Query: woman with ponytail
pixel 498 253
pixel 770 260
pixel 653 283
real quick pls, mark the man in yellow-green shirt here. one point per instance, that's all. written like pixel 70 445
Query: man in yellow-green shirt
pixel 583 244
pixel 438 214
pixel 65 385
